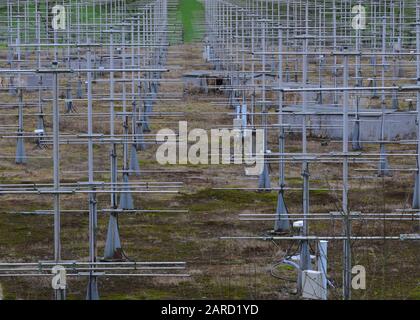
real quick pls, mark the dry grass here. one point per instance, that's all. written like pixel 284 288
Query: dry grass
pixel 219 269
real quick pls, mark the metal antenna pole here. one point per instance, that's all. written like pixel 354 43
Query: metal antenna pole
pixel 264 179
pixel 253 74
pixel 113 245
pixel 383 165
pixel 92 290
pixel 20 147
pixel 416 196
pixel 126 201
pixel 334 20
pixel 347 222
pixel 305 258
pixel 282 223
pixel 59 294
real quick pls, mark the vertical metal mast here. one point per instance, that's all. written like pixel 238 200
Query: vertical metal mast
pixel 305 258
pixel 383 165
pixel 112 246
pixel 282 222
pixel 417 188
pixel 20 148
pixel 92 291
pixel 346 213
pixel 264 179
pixel 56 170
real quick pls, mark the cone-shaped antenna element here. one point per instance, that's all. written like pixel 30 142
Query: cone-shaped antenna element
pixel 79 91
pixel 282 215
pixel 383 163
pixel 20 151
pixel 126 199
pixel 145 116
pixel 10 55
pixel 264 180
pixel 134 161
pixel 92 290
pixel 416 200
pixel 40 124
pixel 140 145
pixel 355 137
pixel 113 243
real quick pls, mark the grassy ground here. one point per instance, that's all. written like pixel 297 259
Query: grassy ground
pixel 191 14
pixel 220 269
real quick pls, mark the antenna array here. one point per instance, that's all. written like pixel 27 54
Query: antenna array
pixel 345 71
pixel 93 69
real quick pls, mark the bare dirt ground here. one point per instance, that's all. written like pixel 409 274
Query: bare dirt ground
pixel 219 269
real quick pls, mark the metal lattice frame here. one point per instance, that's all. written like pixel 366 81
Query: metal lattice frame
pixel 104 43
pixel 287 48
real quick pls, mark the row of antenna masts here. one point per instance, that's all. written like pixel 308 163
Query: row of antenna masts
pixel 114 42
pixel 125 46
pixel 275 52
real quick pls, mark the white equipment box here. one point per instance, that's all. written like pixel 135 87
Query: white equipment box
pixel 312 285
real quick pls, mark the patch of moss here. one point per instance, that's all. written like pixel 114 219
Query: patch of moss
pixel 317 192
pixel 415 293
pixel 148 294
pixel 285 267
pixel 190 12
pixel 211 199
